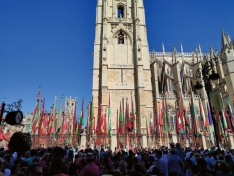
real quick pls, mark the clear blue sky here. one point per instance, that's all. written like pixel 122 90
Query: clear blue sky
pixel 49 43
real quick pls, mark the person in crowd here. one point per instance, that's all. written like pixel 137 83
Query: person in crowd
pixel 220 159
pixel 34 169
pixel 105 168
pixel 223 170
pixel 139 156
pixel 123 167
pixel 102 153
pixel 59 154
pixel 22 171
pixel 90 168
pixel 129 159
pixel 172 145
pixel 202 167
pixel 106 159
pixel 209 160
pixel 175 163
pixel 145 164
pixel 193 170
pixel 162 164
pixel 179 152
pixel 33 154
pixel 83 163
pixel 74 170
pixel 115 164
pixel 157 161
pixel 228 161
pixel 55 167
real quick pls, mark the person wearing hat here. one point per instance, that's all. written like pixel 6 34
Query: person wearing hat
pixel 90 169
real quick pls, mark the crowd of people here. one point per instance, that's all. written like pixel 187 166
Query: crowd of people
pixel 72 161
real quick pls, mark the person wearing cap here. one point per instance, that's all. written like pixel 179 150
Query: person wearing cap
pixel 90 169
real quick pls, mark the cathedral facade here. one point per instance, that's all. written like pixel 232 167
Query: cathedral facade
pixel 123 68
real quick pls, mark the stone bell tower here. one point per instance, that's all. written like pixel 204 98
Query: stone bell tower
pixel 121 66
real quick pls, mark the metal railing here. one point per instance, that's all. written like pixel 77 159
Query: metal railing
pixel 54 140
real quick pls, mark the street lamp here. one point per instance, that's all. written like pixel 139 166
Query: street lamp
pixel 14 115
pixel 209 76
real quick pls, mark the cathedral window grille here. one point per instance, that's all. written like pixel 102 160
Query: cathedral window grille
pixel 121 38
pixel 120 12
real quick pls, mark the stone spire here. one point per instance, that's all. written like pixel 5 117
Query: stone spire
pixel 229 38
pixel 181 49
pixel 197 53
pixel 225 41
pixel 175 51
pixel 163 49
pixel 199 48
pixel 211 51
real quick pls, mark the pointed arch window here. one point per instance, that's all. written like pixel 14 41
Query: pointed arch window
pixel 169 71
pixel 170 86
pixel 121 38
pixel 172 123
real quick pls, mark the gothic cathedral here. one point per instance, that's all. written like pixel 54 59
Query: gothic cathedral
pixel 124 70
